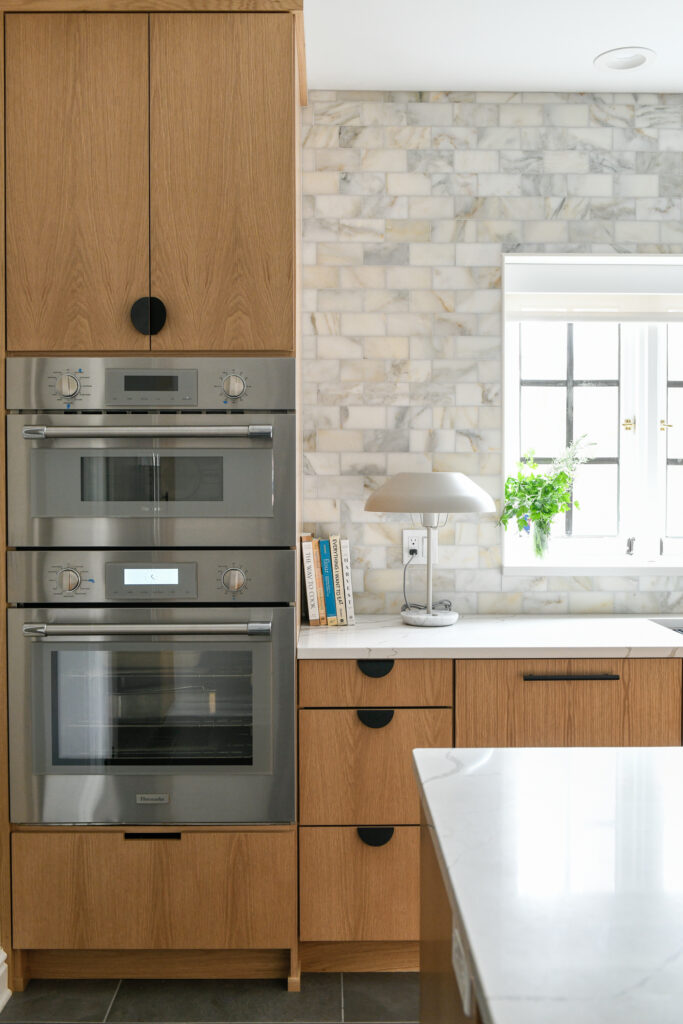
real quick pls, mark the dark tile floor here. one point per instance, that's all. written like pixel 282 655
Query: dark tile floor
pixel 324 999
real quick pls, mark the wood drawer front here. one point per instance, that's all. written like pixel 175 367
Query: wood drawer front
pixel 352 892
pixel 495 706
pixel 73 890
pixel 407 683
pixel 351 773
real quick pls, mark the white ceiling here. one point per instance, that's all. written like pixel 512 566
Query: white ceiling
pixel 490 45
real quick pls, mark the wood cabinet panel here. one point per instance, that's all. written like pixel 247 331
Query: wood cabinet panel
pixel 350 773
pixel 222 180
pixel 408 683
pixel 78 890
pixel 354 892
pixel 496 707
pixel 77 180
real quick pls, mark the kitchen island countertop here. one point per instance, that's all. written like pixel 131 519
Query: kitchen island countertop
pixel 496 636
pixel 564 868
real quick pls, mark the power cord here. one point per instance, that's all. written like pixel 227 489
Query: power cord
pixel 445 605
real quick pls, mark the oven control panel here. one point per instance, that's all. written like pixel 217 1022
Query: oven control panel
pixel 148 382
pixel 228 576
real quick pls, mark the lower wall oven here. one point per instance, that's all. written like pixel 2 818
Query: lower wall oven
pixel 156 712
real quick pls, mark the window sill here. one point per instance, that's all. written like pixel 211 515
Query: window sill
pixel 542 568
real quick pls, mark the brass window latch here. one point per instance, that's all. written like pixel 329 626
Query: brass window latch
pixel 663 425
pixel 629 424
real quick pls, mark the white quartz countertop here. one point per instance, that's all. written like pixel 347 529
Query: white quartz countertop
pixel 565 868
pixel 495 636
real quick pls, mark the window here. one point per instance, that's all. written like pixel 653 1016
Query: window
pixel 589 359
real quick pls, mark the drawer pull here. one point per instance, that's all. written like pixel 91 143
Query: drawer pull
pixel 375 669
pixel 375 836
pixel 152 835
pixel 597 676
pixel 375 718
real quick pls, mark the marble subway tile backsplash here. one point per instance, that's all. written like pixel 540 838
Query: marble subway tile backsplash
pixel 409 201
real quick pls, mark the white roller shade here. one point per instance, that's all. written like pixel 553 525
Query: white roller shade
pixel 593 287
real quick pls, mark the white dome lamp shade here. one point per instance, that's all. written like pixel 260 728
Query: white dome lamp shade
pixel 430 495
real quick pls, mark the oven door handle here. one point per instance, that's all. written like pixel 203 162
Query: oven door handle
pixel 33 629
pixel 40 432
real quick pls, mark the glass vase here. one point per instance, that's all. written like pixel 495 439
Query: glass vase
pixel 540 537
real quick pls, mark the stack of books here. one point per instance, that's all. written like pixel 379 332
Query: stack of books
pixel 327 581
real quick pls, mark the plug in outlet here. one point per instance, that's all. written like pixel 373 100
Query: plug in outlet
pixel 417 539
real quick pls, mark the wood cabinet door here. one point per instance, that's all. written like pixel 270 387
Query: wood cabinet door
pixel 568 703
pixel 222 180
pixel 355 892
pixel 77 192
pixel 136 890
pixel 356 766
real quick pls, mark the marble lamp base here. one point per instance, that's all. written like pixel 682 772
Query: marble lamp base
pixel 416 617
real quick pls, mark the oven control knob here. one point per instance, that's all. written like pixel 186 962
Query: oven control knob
pixel 68 580
pixel 234 385
pixel 68 386
pixel 234 580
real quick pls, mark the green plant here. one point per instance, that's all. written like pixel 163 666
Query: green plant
pixel 533 499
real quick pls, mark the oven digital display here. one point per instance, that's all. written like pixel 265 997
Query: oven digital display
pixel 146 382
pixel 152 577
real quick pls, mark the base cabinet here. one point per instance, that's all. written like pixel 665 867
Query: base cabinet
pixel 577 702
pixel 352 890
pixel 154 890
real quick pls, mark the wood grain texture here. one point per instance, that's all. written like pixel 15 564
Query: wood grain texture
pixel 205 891
pixel 350 774
pixel 327 957
pixel 301 57
pixel 169 963
pixel 77 170
pixel 495 707
pixel 440 1000
pixel 222 180
pixel 410 683
pixel 354 892
pixel 250 6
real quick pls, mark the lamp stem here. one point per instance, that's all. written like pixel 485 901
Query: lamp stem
pixel 430 533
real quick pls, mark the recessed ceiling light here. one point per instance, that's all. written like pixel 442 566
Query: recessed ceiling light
pixel 624 58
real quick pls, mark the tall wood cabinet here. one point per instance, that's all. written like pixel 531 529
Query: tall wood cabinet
pixel 150 154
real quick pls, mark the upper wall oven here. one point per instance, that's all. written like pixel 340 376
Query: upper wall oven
pixel 218 473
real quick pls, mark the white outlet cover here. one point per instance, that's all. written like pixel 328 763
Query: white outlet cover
pixel 417 538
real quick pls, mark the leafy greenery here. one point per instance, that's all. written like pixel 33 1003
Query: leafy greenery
pixel 537 497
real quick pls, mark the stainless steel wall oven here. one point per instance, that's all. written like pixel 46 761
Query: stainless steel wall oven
pixel 151 628
pixel 170 453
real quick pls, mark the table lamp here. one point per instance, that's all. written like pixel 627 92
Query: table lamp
pixel 429 494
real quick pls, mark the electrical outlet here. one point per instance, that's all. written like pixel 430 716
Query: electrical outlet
pixel 417 539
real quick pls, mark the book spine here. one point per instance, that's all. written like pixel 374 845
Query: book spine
pixel 337 575
pixel 348 586
pixel 322 615
pixel 309 582
pixel 328 582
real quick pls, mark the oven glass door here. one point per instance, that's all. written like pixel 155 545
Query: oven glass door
pixel 124 706
pixel 180 482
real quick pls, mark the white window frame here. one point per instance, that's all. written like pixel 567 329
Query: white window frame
pixel 642 455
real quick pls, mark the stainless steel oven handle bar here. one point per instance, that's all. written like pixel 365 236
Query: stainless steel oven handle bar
pixel 255 432
pixel 33 629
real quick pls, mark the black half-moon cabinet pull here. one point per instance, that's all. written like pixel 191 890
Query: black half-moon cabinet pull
pixel 375 835
pixel 597 676
pixel 148 315
pixel 375 668
pixel 152 835
pixel 375 718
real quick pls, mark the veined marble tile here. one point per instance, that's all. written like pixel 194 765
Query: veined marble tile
pixel 401 345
